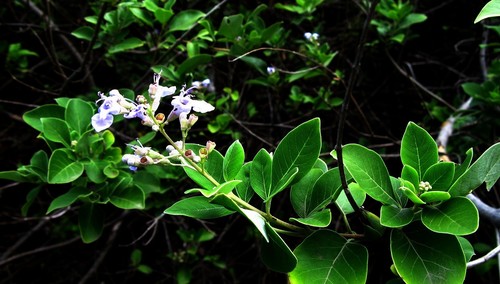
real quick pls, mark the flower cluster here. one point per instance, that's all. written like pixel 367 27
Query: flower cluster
pixel 145 110
pixel 312 37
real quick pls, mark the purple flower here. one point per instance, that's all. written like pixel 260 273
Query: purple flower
pixel 184 104
pixel 110 106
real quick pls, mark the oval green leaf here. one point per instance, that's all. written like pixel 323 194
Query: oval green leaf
pixel 457 216
pixel 418 149
pixel 68 198
pixel 63 168
pixel 395 217
pixel 276 254
pixel 424 257
pixel 299 149
pixel 434 196
pixel 78 115
pixel 233 160
pixel 197 207
pixel 33 117
pixel 440 175
pixel 369 171
pixel 326 257
pixel 56 130
pixel 91 222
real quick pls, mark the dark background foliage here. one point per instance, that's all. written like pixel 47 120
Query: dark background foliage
pixel 443 53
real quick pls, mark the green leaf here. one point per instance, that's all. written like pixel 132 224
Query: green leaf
pixel 243 189
pixel 213 166
pixel 126 44
pixel 260 174
pixel 85 33
pixel 257 220
pixel 94 170
pixel 163 15
pixel 395 217
pixel 223 188
pixel 410 174
pixel 462 168
pixel 233 161
pixel 299 149
pixel 410 192
pixel 485 169
pixel 78 115
pixel 68 198
pixel 440 175
pixel 125 195
pixel 183 20
pixel 315 191
pixel 39 164
pixel 300 193
pixel 326 257
pixel 197 207
pixel 231 27
pixel 457 216
pixel 434 196
pixel 33 117
pixel 56 130
pixel 422 256
pixel 190 64
pixel 369 171
pixel 63 168
pixel 320 219
pixel 418 149
pixel 30 198
pixel 276 254
pixel 91 222
pixel 356 192
pixel 147 182
pixel 491 9
pixel 467 248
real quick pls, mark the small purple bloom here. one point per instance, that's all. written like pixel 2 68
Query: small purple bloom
pixel 184 104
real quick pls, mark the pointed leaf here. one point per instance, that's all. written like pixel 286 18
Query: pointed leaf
pixel 462 168
pixel 395 217
pixel 78 115
pixel 63 168
pixel 422 256
pixel 257 220
pixel 457 216
pixel 91 222
pixel 68 198
pixel 243 189
pixel 213 166
pixel 260 174
pixel 127 197
pixel 440 175
pixel 434 196
pixel 56 130
pixel 326 257
pixel 485 169
pixel 491 9
pixel 356 192
pixel 320 219
pixel 233 161
pixel 300 193
pixel 33 117
pixel 185 19
pixel 197 207
pixel 369 171
pixel 418 149
pixel 276 254
pixel 299 149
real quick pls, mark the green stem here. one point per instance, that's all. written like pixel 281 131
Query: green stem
pixel 270 218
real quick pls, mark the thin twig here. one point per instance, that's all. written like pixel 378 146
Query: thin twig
pixel 343 112
pixel 494 252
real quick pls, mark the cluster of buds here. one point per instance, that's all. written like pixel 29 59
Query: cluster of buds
pixel 424 186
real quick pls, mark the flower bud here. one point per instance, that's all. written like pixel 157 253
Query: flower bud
pixel 210 146
pixel 160 117
pixel 140 99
